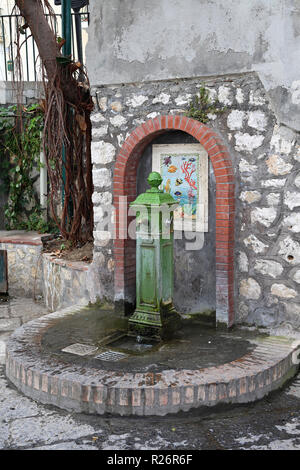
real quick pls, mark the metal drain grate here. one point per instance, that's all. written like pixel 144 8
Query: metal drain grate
pixel 112 356
pixel 80 349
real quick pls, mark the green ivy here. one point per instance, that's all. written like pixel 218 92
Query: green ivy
pixel 201 106
pixel 20 136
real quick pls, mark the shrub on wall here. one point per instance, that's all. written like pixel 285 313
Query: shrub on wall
pixel 202 106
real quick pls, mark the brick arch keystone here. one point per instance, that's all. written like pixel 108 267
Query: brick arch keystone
pixel 124 181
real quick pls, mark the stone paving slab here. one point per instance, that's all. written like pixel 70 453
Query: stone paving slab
pixel 66 446
pixel 88 390
pixel 26 431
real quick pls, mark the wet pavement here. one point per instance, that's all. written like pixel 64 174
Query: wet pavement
pixel 193 346
pixel 271 423
pixel 14 312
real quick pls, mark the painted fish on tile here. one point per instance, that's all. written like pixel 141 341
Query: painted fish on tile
pixel 168 186
pixel 178 181
pixel 172 169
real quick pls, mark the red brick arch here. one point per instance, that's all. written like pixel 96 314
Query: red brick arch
pixel 125 185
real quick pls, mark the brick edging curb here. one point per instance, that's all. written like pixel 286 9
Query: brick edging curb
pixel 94 391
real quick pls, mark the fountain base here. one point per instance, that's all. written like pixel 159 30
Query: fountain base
pixel 154 325
pixel 113 373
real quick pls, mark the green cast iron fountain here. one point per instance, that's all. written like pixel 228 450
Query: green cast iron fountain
pixel 155 316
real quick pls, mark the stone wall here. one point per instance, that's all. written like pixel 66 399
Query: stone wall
pixel 64 283
pixel 24 269
pixel 38 275
pixel 266 161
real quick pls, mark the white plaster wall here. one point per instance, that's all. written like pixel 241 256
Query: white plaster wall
pixel 138 40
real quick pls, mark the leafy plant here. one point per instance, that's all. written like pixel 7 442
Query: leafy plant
pixel 36 222
pixel 202 105
pixel 20 135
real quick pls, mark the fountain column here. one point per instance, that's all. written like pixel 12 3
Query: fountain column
pixel 155 316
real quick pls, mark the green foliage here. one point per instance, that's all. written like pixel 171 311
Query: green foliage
pixel 20 138
pixel 202 105
pixel 36 222
pixel 64 60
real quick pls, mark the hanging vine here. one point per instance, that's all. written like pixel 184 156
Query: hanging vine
pixel 19 166
pixel 67 127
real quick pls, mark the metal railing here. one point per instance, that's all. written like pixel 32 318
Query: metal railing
pixel 31 66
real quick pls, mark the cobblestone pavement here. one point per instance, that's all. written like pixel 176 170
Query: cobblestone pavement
pixel 271 423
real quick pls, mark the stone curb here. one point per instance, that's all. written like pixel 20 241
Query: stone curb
pixel 94 391
pixel 75 265
pixel 32 241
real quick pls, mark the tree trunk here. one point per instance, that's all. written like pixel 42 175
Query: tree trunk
pixel 33 12
pixel 68 105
